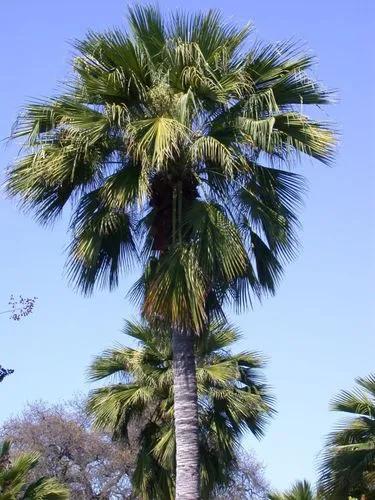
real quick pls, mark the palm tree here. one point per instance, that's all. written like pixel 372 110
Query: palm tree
pixel 301 490
pixel 232 398
pixel 13 479
pixel 348 465
pixel 173 144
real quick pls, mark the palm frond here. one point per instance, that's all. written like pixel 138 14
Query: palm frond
pixel 147 26
pixel 219 247
pixel 103 243
pixel 156 140
pixel 349 457
pixel 301 490
pixel 46 489
pixel 14 477
pixel 271 200
pixel 177 290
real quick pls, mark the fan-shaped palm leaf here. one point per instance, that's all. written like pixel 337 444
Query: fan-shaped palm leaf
pixel 348 466
pixel 14 476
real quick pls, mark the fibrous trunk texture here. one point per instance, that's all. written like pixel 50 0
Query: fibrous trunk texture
pixel 186 417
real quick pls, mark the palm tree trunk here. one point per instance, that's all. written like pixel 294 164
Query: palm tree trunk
pixel 186 416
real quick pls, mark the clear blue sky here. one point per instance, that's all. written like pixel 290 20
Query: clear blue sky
pixel 317 331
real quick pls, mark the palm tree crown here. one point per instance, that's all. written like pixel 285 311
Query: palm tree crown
pixel 301 490
pixel 14 474
pixel 348 466
pixel 232 399
pixel 170 143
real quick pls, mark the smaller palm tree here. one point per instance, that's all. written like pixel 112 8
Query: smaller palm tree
pixel 14 474
pixel 232 399
pixel 348 465
pixel 301 490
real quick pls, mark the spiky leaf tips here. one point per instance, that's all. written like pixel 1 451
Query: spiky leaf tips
pixel 348 465
pixel 14 476
pixel 301 490
pixel 173 142
pixel 232 397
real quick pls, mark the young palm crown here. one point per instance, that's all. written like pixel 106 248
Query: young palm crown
pixel 232 399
